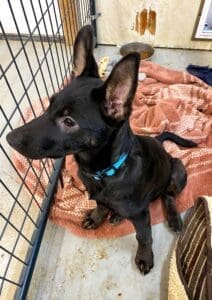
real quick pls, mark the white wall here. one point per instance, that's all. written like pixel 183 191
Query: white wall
pixel 175 23
pixel 9 25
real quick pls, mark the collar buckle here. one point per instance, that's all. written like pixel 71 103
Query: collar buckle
pixel 111 170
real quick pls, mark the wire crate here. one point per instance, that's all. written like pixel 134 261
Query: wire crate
pixel 36 61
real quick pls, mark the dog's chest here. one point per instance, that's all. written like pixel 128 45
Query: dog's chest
pixel 120 194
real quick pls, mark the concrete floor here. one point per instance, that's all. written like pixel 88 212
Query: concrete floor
pixel 76 268
pixel 69 267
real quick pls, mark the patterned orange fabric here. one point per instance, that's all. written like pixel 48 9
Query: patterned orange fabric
pixel 166 100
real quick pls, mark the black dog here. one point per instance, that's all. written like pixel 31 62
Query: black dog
pixel 122 172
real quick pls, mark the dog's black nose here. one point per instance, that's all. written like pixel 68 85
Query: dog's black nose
pixel 14 140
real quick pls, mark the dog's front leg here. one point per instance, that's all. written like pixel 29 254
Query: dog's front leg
pixel 96 217
pixel 144 255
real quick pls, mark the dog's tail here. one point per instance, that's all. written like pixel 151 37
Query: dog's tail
pixel 170 136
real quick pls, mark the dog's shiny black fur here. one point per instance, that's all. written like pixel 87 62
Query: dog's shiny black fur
pixel 89 118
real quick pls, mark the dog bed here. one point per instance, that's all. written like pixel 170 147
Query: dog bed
pixel 191 261
pixel 166 100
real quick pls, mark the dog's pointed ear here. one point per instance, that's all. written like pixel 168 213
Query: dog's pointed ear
pixel 120 87
pixel 83 60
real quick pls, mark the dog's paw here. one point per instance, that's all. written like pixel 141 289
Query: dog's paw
pixel 90 223
pixel 115 219
pixel 144 264
pixel 175 223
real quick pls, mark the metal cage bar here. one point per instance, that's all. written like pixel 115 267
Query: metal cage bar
pixel 35 65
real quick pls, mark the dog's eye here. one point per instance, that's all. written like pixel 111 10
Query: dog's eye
pixel 68 122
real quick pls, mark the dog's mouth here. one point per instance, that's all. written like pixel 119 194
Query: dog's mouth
pixel 42 145
pixel 17 143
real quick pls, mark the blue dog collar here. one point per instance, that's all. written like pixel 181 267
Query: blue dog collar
pixel 111 170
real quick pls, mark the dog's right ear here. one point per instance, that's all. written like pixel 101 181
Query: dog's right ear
pixel 84 63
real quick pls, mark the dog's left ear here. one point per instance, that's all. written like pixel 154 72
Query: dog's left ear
pixel 120 87
pixel 84 63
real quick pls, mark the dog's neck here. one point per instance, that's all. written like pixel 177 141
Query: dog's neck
pixel 119 142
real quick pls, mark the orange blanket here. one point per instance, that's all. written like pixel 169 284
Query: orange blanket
pixel 166 100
